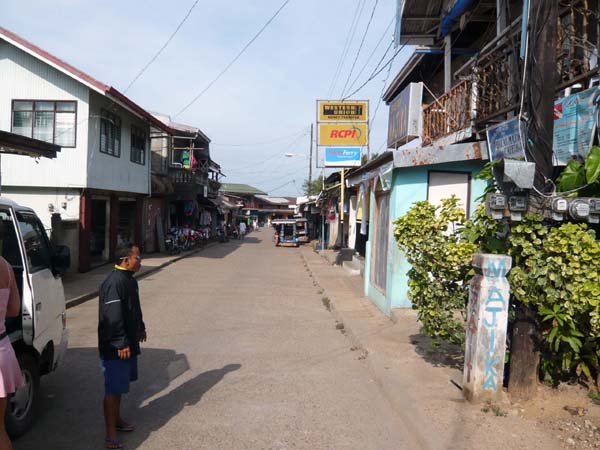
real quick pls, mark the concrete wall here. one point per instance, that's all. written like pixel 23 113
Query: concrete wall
pixel 408 186
pixel 38 199
pixel 24 77
pixel 111 172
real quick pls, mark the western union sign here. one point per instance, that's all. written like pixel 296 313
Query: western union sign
pixel 342 134
pixel 339 111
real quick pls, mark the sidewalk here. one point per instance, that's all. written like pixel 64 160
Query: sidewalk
pixel 80 287
pixel 417 378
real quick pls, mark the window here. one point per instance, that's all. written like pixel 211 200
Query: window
pixel 49 121
pixel 110 134
pixel 138 146
pixel 36 243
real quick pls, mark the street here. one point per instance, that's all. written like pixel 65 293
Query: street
pixel 241 354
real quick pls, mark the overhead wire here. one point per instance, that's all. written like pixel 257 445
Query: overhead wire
pixel 374 74
pixel 228 66
pixel 372 53
pixel 346 48
pixel 160 50
pixel 362 41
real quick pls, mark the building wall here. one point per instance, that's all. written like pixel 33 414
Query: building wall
pixel 409 185
pixel 110 172
pixel 39 200
pixel 64 233
pixel 24 77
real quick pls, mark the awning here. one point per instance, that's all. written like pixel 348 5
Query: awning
pixel 15 144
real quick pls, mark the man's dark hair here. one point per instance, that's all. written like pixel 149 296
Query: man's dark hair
pixel 124 252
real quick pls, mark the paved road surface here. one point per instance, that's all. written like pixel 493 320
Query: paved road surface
pixel 241 354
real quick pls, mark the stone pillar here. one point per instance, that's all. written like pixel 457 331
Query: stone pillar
pixel 487 318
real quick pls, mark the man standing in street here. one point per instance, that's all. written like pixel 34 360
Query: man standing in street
pixel 120 330
pixel 242 229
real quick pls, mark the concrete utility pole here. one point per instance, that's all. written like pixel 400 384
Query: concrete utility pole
pixel 539 92
pixel 310 157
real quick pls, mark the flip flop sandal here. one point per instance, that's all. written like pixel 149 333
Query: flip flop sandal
pixel 113 443
pixel 126 428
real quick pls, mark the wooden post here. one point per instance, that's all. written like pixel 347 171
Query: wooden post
pixel 541 84
pixel 85 224
pixel 539 95
pixel 310 158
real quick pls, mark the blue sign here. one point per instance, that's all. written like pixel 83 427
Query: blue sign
pixel 506 140
pixel 342 156
pixel 574 125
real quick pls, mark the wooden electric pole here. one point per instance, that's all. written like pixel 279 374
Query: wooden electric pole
pixel 310 158
pixel 539 91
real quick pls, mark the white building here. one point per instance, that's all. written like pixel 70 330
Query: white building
pixel 99 179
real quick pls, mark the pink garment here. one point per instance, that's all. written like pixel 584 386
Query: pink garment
pixel 10 372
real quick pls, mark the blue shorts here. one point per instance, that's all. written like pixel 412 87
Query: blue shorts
pixel 118 373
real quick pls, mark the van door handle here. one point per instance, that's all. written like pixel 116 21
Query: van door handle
pixel 38 307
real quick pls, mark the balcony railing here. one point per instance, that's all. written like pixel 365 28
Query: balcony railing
pixel 449 113
pixel 491 81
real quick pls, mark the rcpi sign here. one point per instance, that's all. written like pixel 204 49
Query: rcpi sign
pixel 354 134
pixel 342 156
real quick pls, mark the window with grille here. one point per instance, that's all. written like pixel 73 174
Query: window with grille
pixel 46 120
pixel 138 146
pixel 110 134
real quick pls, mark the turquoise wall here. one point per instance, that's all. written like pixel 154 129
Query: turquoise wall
pixel 408 186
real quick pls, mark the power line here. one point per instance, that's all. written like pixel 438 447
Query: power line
pixel 372 53
pixel 373 75
pixel 282 138
pixel 279 187
pixel 380 96
pixel 156 55
pixel 349 38
pixel 209 85
pixel 362 41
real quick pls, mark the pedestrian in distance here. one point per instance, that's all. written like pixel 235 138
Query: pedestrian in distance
pixel 120 330
pixel 242 230
pixel 10 372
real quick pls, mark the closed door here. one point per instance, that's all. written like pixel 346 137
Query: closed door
pixel 380 244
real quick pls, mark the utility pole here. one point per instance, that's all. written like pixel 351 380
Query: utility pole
pixel 539 92
pixel 310 157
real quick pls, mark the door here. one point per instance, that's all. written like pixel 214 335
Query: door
pixel 380 246
pixel 99 230
pixel 442 185
pixel 47 295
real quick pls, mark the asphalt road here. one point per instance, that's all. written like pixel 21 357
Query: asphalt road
pixel 241 354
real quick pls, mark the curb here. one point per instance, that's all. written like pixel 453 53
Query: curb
pixel 92 294
pixel 356 342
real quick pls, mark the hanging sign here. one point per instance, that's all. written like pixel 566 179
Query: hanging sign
pixel 574 125
pixel 354 134
pixel 406 116
pixel 341 111
pixel 506 140
pixel 342 156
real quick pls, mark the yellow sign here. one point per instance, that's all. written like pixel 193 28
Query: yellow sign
pixel 338 111
pixel 349 134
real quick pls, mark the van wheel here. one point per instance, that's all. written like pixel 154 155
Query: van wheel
pixel 22 406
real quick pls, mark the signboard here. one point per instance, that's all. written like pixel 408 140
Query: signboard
pixel 340 111
pixel 342 156
pixel 574 125
pixel 342 134
pixel 406 116
pixel 506 140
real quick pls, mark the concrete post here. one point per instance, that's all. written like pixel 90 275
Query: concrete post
pixel 487 318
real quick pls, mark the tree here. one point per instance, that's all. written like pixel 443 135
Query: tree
pixel 365 159
pixel 314 187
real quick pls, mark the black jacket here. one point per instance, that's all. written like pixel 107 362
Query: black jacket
pixel 120 321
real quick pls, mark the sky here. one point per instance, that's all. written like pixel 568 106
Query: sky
pixel 262 107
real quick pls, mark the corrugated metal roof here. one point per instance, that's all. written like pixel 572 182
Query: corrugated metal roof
pixel 79 75
pixel 238 188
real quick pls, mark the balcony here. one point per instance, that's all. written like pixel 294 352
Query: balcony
pixel 448 114
pixel 490 87
pixel 188 181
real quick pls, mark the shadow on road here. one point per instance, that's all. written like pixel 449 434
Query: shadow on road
pixel 70 414
pixel 222 249
pixel 442 355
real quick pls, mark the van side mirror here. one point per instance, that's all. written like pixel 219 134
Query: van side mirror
pixel 61 259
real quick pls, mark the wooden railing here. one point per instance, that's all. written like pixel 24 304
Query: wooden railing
pixel 449 113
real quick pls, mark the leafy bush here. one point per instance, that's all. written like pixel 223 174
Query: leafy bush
pixel 440 261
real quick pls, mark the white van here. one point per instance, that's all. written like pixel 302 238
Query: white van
pixel 39 335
